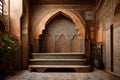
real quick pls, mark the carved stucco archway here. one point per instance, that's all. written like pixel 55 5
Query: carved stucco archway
pixel 79 22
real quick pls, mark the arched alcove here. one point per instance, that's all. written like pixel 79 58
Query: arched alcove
pixel 55 36
pixel 42 27
pixel 79 22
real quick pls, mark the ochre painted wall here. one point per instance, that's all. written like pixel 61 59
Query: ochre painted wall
pixel 99 35
pixel 15 27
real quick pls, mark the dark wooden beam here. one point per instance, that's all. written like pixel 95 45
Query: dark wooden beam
pixel 63 1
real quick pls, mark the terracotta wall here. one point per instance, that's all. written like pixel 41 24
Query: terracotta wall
pixel 99 35
pixel 19 22
pixel 15 15
pixel 107 19
pixel 14 27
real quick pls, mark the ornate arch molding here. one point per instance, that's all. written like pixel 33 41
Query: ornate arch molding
pixel 79 22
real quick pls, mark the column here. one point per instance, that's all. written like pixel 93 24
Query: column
pixel 24 32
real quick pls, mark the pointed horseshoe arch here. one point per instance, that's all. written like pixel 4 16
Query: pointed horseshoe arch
pixel 79 22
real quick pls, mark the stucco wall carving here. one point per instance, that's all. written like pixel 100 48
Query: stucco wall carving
pixel 61 35
pixel 78 22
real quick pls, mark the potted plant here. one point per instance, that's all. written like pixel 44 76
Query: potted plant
pixel 8 48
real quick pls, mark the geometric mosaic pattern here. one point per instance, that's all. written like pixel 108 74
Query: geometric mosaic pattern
pixel 60 76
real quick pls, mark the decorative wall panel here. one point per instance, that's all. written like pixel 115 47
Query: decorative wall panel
pixel 49 44
pixel 61 35
pixel 63 46
pixel 75 43
pixel 82 45
pixel 108 51
pixel 117 50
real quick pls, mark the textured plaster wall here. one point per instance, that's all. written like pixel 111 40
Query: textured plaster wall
pixel 14 27
pixel 116 41
pixel 100 35
pixel 108 51
pixel 105 16
pixel 117 50
pixel 15 15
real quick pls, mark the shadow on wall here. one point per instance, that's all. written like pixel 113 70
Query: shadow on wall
pixel 2 27
pixel 60 70
pixel 57 70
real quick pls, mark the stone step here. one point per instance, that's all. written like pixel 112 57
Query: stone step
pixel 58 61
pixel 78 68
pixel 58 55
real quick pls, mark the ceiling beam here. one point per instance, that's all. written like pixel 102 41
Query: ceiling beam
pixel 62 2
